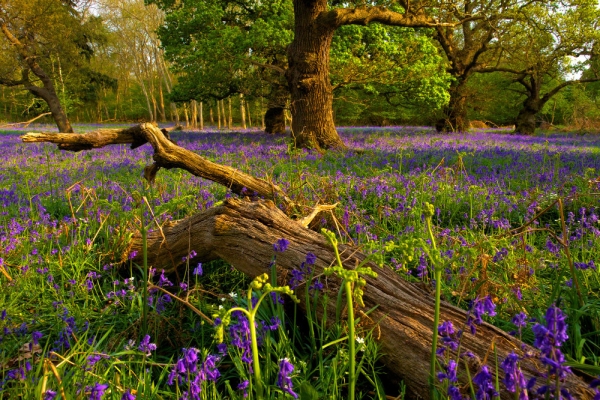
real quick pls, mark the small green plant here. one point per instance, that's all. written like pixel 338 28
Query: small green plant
pixel 261 285
pixel 352 284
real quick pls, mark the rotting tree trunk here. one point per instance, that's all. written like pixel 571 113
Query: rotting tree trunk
pixel 243 232
pixel 308 79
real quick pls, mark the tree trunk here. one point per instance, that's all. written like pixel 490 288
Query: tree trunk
pixel 219 114
pixel 48 94
pixel 249 114
pixel 455 117
pixel 211 116
pixel 230 116
pixel 274 120
pixel 308 79
pixel 525 122
pixel 201 116
pixel 243 232
pixel 243 111
pixel 194 113
pixel 185 113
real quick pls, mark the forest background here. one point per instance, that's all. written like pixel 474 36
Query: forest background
pixel 222 63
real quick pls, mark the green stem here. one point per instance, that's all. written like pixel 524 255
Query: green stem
pixel 256 367
pixel 145 274
pixel 436 315
pixel 351 338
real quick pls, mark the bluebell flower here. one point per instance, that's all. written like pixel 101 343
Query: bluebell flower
pixel 450 373
pixel 36 336
pixel 485 384
pixel 514 380
pixel 49 394
pixel 281 245
pixel 145 345
pixel 96 391
pixel 128 395
pixel 244 386
pixel 284 381
pixel 480 307
pixel 198 270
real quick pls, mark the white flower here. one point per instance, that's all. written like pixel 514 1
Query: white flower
pixel 233 295
pixel 360 340
pixel 223 299
pixel 221 307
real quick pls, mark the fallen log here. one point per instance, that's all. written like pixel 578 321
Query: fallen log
pixel 166 155
pixel 243 232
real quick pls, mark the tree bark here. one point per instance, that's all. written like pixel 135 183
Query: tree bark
pixel 308 79
pixel 201 115
pixel 243 232
pixel 48 94
pixel 455 118
pixel 274 120
pixel 243 110
pixel 525 122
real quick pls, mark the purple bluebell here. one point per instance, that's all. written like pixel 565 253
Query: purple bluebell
pixel 96 391
pixel 284 381
pixel 128 395
pixel 281 245
pixel 145 345
pixel 450 373
pixel 198 270
pixel 485 384
pixel 49 394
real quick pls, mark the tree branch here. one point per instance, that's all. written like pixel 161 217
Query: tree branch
pixel 365 15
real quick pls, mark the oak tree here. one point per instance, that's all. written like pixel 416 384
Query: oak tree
pixel 39 41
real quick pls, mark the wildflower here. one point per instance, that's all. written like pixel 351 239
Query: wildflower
pixel 318 286
pixel 514 380
pixel 484 380
pixel 36 336
pixel 128 395
pixel 284 381
pixel 552 247
pixel 549 339
pixel 520 320
pixel 450 373
pixel 281 245
pixel 183 286
pixel 233 295
pixel 448 337
pixel 49 394
pixel 163 280
pixel 480 307
pixel 97 391
pixel 198 270
pixel 133 254
pixel 3 315
pixel 244 386
pixel 145 345
pixel 311 258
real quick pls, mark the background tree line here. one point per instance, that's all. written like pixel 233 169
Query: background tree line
pixel 226 62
